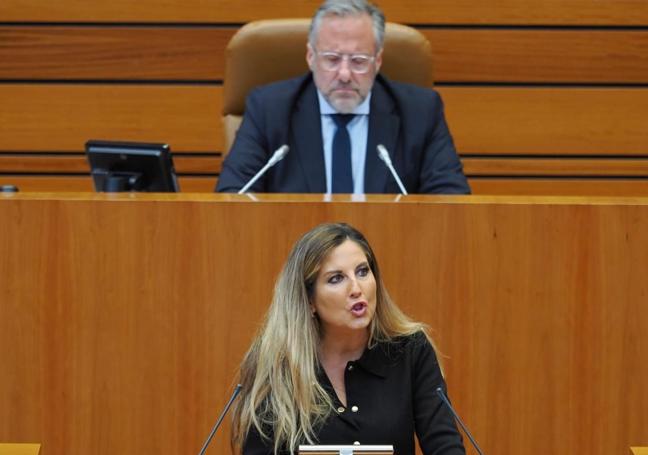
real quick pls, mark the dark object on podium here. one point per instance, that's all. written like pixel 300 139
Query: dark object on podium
pixel 8 189
pixel 131 166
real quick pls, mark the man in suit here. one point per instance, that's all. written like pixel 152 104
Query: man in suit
pixel 334 118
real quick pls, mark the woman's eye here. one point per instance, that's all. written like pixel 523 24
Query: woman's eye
pixel 363 271
pixel 335 278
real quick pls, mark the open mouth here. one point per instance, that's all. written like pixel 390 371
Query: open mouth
pixel 359 308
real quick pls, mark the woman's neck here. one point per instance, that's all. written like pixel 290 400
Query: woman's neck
pixel 345 346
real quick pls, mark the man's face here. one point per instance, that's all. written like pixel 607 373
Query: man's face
pixel 343 87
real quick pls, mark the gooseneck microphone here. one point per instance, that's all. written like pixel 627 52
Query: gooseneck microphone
pixel 444 398
pixel 383 154
pixel 237 390
pixel 277 156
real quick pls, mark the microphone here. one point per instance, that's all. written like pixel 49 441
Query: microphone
pixel 237 390
pixel 277 156
pixel 384 155
pixel 444 398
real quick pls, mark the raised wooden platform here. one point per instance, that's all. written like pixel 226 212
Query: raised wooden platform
pixel 542 97
pixel 123 317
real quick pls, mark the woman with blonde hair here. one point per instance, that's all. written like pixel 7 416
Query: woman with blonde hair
pixel 337 362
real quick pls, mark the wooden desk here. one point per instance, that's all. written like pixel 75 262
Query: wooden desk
pixel 123 318
pixel 19 449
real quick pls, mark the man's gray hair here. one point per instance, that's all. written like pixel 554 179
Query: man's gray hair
pixel 344 8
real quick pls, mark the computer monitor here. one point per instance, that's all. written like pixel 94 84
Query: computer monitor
pixel 131 166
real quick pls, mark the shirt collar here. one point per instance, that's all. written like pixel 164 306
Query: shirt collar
pixel 379 358
pixel 327 109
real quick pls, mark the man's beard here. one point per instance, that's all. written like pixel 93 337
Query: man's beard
pixel 345 104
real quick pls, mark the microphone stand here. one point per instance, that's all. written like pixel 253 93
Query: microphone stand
pixel 237 390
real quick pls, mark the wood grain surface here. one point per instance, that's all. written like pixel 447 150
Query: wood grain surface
pixel 543 80
pixel 75 183
pixel 60 118
pixel 210 164
pixel 525 56
pixel 504 12
pixel 74 163
pixel 547 186
pixel 113 52
pixel 528 85
pixel 116 52
pixel 123 318
pixel 563 167
pixel 19 449
pixel 547 121
pixel 537 186
pixel 483 120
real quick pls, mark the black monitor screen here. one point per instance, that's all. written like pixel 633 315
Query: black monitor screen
pixel 131 166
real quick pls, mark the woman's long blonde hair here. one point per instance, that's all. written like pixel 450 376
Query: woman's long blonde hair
pixel 282 399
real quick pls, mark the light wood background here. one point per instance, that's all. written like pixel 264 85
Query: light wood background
pixel 542 97
pixel 123 318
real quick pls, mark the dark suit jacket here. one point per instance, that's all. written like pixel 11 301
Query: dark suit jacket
pixel 391 396
pixel 408 120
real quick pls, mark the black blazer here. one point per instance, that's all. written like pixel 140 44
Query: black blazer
pixel 391 396
pixel 408 120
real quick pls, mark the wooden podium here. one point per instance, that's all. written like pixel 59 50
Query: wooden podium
pixel 123 318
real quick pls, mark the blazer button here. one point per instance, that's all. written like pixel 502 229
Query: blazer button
pixel 354 408
pixel 341 409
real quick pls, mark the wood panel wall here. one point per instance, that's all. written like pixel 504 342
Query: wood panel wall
pixel 123 318
pixel 542 96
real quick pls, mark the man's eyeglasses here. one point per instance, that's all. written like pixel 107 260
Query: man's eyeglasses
pixel 332 61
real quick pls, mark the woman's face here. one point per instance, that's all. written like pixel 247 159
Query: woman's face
pixel 345 290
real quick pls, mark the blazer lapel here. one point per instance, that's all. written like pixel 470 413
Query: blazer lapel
pixel 307 139
pixel 384 125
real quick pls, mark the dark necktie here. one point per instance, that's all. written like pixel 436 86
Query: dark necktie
pixel 342 177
